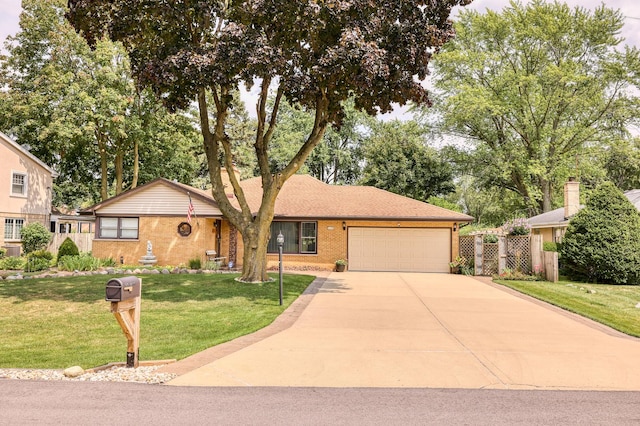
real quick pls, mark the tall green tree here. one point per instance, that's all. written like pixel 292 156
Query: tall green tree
pixel 316 54
pixel 398 159
pixel 79 110
pixel 533 86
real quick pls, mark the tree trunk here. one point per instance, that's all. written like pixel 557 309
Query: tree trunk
pixel 102 152
pixel 255 241
pixel 119 171
pixel 546 195
pixel 136 164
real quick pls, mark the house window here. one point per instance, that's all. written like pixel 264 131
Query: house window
pixel 13 229
pixel 299 237
pixel 19 184
pixel 118 228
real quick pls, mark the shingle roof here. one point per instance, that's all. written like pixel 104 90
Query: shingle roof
pixel 303 196
pixel 556 217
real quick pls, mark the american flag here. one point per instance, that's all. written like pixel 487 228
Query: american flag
pixel 190 210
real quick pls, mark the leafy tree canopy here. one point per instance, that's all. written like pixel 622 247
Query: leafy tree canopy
pixel 397 159
pixel 316 54
pixel 534 86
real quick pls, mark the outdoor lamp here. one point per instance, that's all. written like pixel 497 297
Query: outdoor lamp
pixel 280 241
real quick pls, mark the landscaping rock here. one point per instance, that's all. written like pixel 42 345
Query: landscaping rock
pixel 638 306
pixel 14 277
pixel 74 371
pixel 165 271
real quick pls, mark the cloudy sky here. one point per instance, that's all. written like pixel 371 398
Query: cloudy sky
pixel 10 12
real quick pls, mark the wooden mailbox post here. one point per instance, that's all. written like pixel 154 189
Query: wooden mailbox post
pixel 124 295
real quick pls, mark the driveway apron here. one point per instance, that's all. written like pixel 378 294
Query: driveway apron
pixel 428 330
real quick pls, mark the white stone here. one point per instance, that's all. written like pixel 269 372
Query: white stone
pixel 74 371
pixel 638 306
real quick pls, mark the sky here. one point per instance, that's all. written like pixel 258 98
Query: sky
pixel 10 14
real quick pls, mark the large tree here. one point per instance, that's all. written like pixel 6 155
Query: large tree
pixel 533 89
pixel 398 159
pixel 79 110
pixel 314 53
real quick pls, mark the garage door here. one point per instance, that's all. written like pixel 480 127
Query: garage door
pixel 399 249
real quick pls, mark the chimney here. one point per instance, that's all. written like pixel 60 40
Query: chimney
pixel 571 197
pixel 226 182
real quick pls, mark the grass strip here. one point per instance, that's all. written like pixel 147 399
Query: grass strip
pixel 611 305
pixel 59 322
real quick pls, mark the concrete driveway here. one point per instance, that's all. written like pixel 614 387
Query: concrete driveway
pixel 428 330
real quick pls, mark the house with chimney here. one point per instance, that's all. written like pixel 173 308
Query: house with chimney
pixel 553 224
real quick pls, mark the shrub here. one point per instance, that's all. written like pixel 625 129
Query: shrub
pixel 490 239
pixel 602 242
pixel 195 263
pixel 549 246
pixel 35 237
pixel 510 274
pixel 518 226
pixel 12 263
pixel 67 248
pixel 81 262
pixel 38 260
pixel 3 252
pixel 107 261
pixel 462 265
pixel 34 264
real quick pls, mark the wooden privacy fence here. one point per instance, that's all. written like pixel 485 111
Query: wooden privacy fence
pixel 522 253
pixel 84 241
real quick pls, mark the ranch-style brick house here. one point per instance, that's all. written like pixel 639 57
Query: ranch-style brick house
pixel 375 230
pixel 25 192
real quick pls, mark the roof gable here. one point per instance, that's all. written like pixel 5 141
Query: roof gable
pixel 26 154
pixel 160 197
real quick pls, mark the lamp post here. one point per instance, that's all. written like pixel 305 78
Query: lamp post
pixel 280 240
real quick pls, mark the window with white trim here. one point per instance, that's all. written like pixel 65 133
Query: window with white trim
pixel 19 184
pixel 299 237
pixel 13 229
pixel 118 228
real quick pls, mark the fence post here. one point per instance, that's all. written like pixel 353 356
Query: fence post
pixel 537 261
pixel 502 254
pixel 551 266
pixel 478 253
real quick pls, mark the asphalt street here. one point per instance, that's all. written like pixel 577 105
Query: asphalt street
pixel 104 403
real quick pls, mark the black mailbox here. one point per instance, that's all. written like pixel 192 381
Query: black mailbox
pixel 125 288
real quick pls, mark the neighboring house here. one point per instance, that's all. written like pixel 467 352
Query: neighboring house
pixel 374 229
pixel 553 224
pixel 25 192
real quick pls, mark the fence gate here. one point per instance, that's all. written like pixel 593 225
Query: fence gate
pixel 513 252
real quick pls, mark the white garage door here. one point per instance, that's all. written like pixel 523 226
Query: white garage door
pixel 399 249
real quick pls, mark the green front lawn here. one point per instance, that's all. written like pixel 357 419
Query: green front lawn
pixel 612 305
pixel 60 322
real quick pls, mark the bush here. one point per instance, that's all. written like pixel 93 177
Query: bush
pixel 38 261
pixel 195 264
pixel 549 246
pixel 34 264
pixel 519 226
pixel 490 239
pixel 3 252
pixel 67 248
pixel 35 237
pixel 81 262
pixel 12 263
pixel 602 242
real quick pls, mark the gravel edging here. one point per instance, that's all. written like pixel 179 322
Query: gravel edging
pixel 147 375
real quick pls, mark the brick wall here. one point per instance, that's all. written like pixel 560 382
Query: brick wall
pixel 172 249
pixel 169 247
